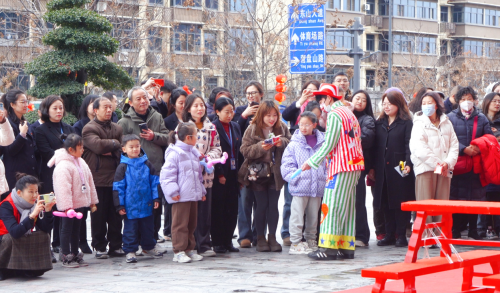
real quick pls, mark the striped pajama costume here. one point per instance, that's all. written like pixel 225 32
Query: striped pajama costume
pixel 344 156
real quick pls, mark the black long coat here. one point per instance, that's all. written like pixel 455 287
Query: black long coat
pixel 392 145
pixel 48 140
pixel 20 155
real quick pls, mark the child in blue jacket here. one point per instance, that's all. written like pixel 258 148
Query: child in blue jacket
pixel 135 194
pixel 307 188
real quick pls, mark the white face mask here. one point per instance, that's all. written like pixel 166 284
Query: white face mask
pixel 466 105
pixel 428 110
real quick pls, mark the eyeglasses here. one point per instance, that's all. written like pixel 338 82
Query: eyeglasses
pixel 305 125
pixel 252 93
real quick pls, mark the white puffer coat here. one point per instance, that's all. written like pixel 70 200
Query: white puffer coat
pixel 6 138
pixel 430 145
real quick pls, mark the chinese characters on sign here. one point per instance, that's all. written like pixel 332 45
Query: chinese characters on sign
pixel 307 38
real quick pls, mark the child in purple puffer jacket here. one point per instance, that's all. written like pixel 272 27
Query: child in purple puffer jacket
pixel 307 188
pixel 181 180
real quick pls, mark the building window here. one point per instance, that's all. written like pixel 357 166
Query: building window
pixel 210 42
pixel 492 49
pixel 473 47
pixel 212 4
pixel 404 8
pixel 351 5
pixel 458 14
pixel 210 84
pixel 372 7
pixel 184 3
pixel 125 31
pixel 340 40
pixel 443 49
pixel 333 4
pixel 403 43
pixel 187 38
pixel 492 17
pixel 426 45
pixel 426 10
pixel 241 5
pixel 370 78
pixel 383 9
pixel 241 41
pixel 444 13
pixel 473 15
pixel 155 2
pixel 370 43
pixel 191 78
pixel 383 43
pixel 11 26
pixel 155 39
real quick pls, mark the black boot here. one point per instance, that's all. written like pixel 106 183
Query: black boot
pixel 220 249
pixel 231 248
pixel 388 240
pixel 402 242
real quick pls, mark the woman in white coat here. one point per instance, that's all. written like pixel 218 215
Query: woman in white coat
pixel 434 150
pixel 6 138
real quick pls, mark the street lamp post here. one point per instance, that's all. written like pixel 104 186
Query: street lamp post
pixel 389 69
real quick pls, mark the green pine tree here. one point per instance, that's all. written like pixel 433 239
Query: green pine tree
pixel 80 42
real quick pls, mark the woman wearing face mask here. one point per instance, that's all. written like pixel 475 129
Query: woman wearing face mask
pixel 468 124
pixel 434 151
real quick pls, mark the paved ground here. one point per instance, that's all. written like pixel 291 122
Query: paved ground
pixel 246 271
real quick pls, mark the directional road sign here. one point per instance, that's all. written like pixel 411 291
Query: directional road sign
pixel 307 38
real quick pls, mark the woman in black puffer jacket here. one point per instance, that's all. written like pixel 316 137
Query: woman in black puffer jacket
pixel 363 111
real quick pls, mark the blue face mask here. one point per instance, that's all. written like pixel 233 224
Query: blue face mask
pixel 428 110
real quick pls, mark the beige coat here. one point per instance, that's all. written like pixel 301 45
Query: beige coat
pixel 6 138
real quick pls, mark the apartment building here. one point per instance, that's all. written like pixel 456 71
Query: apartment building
pixel 209 43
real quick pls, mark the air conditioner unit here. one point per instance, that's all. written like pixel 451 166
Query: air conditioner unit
pixel 367 7
pixel 102 6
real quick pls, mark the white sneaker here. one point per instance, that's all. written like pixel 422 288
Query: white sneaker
pixel 312 244
pixel 153 252
pixel 160 248
pixel 181 257
pixel 130 258
pixel 490 234
pixel 299 248
pixel 359 243
pixel 139 251
pixel 208 253
pixel 194 256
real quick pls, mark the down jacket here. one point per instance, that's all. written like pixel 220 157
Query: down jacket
pixel 430 145
pixel 182 173
pixel 135 186
pixel 68 184
pixel 311 182
pixel 487 164
pixel 6 137
pixel 208 144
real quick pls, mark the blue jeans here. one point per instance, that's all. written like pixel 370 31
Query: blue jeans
pixel 246 227
pixel 287 207
pixel 131 236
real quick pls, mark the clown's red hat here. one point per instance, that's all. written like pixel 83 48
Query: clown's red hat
pixel 328 90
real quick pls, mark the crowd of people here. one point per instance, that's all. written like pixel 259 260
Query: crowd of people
pixel 209 166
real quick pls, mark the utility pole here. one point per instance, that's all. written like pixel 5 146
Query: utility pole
pixel 356 52
pixel 389 70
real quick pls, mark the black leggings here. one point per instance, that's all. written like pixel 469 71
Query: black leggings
pixel 70 234
pixel 266 201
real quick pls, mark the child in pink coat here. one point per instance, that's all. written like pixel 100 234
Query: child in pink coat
pixel 74 189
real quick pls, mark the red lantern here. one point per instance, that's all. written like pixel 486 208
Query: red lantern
pixel 281 78
pixel 281 88
pixel 280 97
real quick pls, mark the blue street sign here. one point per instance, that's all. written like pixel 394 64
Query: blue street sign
pixel 307 38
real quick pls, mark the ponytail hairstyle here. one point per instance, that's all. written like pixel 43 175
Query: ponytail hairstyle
pixel 11 97
pixel 222 102
pixel 182 131
pixel 309 115
pixel 24 180
pixel 71 140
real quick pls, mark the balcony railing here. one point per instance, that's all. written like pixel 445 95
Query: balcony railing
pixel 447 28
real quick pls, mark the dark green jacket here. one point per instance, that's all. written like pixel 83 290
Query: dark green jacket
pixel 153 149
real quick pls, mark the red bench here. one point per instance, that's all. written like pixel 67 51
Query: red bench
pixel 494 281
pixel 408 271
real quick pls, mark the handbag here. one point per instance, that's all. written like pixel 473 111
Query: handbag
pixel 465 163
pixel 258 170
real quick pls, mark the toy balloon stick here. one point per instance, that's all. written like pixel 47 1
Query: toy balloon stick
pixel 296 173
pixel 222 160
pixel 70 214
pixel 209 170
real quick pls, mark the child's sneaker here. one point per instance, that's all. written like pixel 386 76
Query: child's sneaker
pixel 68 261
pixel 312 244
pixel 194 256
pixel 299 248
pixel 181 257
pixel 490 234
pixel 80 261
pixel 152 252
pixel 130 258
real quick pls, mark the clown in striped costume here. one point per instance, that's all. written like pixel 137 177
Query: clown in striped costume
pixel 344 155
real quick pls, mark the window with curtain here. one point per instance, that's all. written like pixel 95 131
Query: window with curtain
pixel 491 17
pixel 404 8
pixel 340 40
pixel 426 10
pixel 403 44
pixel 473 47
pixel 473 15
pixel 212 4
pixel 426 45
pixel 351 5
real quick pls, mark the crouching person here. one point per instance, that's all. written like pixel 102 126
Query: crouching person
pixel 135 194
pixel 23 250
